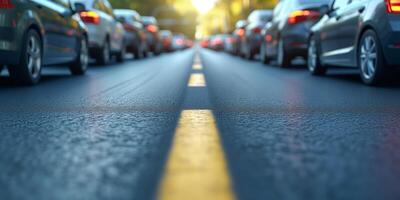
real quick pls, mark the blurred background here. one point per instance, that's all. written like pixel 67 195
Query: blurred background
pixel 196 18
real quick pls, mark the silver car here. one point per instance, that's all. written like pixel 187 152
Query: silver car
pixel 106 34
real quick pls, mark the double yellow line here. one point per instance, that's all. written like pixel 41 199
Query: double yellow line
pixel 196 169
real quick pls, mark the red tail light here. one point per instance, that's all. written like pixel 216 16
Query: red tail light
pixel 256 30
pixel 6 4
pixel 241 32
pixel 230 40
pixel 299 16
pixel 90 17
pixel 393 6
pixel 152 28
pixel 268 38
pixel 180 41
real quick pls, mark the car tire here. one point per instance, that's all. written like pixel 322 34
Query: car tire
pixel 80 65
pixel 28 71
pixel 104 55
pixel 263 54
pixel 121 55
pixel 313 60
pixel 372 65
pixel 283 58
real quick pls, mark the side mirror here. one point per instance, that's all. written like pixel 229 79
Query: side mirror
pixel 324 10
pixel 78 7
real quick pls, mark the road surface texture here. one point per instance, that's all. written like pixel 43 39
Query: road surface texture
pixel 159 127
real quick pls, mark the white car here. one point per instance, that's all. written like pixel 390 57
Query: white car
pixel 106 34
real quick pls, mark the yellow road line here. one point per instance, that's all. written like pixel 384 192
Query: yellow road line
pixel 197 66
pixel 197 80
pixel 196 169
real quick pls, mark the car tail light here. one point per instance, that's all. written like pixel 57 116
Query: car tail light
pixel 6 4
pixel 256 30
pixel 241 32
pixel 218 41
pixel 393 6
pixel 152 28
pixel 231 40
pixel 299 16
pixel 180 42
pixel 90 17
pixel 268 38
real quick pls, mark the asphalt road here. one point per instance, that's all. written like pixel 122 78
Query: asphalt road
pixel 285 134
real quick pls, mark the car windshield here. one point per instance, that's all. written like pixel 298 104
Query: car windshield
pixel 313 2
pixel 263 16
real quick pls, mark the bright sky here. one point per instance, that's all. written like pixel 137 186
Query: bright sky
pixel 203 6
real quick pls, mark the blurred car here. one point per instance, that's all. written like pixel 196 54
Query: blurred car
pixel 230 44
pixel 166 39
pixel 189 43
pixel 179 42
pixel 218 42
pixel 286 37
pixel 106 34
pixel 251 42
pixel 363 34
pixel 37 33
pixel 135 34
pixel 239 34
pixel 205 43
pixel 153 36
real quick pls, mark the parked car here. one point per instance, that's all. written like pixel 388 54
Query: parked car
pixel 179 42
pixel 361 34
pixel 251 42
pixel 205 42
pixel 286 37
pixel 230 44
pixel 38 33
pixel 239 33
pixel 106 34
pixel 153 36
pixel 218 42
pixel 135 33
pixel 166 39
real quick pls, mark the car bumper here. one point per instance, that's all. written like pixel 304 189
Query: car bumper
pixel 296 44
pixel 391 43
pixel 9 46
pixel 9 57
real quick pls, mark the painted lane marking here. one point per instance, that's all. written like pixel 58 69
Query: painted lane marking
pixel 197 80
pixel 196 169
pixel 197 66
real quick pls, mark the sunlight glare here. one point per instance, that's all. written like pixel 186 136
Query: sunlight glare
pixel 203 6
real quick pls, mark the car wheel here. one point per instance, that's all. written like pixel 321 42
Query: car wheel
pixel 80 65
pixel 283 58
pixel 121 55
pixel 263 53
pixel 313 60
pixel 28 72
pixel 104 56
pixel 373 69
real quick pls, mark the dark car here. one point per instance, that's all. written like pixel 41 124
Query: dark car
pixel 37 33
pixel 178 42
pixel 230 44
pixel 251 42
pixel 166 39
pixel 135 33
pixel 218 42
pixel 363 34
pixel 239 34
pixel 153 35
pixel 286 37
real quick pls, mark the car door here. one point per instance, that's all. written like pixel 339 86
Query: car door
pixel 334 46
pixel 51 21
pixel 350 29
pixel 117 29
pixel 68 31
pixel 272 31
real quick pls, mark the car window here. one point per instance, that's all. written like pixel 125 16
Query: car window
pixel 339 4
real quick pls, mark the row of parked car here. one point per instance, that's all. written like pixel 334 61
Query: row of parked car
pixel 362 34
pixel 34 33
